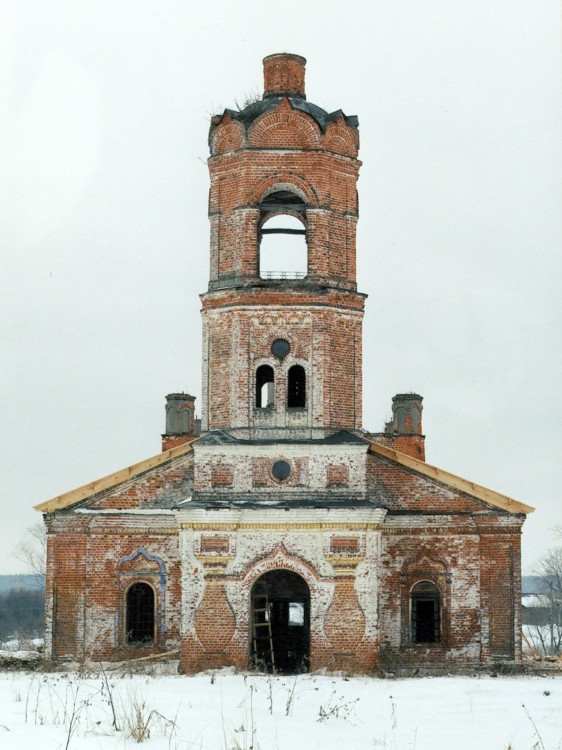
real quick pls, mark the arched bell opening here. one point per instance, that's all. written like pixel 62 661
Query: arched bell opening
pixel 283 249
pixel 280 623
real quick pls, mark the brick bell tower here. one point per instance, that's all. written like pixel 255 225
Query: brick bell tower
pixel 280 467
pixel 282 348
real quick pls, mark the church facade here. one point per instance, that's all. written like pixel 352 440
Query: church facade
pixel 282 535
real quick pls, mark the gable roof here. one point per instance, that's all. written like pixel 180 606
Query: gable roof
pixel 66 500
pixel 496 499
pixel 451 480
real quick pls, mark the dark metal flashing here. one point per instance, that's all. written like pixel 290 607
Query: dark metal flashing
pixel 279 502
pixel 306 284
pixel 250 113
pixel 222 437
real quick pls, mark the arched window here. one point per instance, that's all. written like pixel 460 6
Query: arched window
pixel 296 387
pixel 265 387
pixel 140 617
pixel 426 625
pixel 283 248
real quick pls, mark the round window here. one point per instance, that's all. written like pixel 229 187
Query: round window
pixel 281 470
pixel 280 348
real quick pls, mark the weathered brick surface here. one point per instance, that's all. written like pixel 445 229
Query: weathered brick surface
pixel 171 484
pixel 337 475
pixel 411 445
pixel 398 488
pixel 283 74
pixel 360 530
pixel 319 469
pixel 172 441
pixel 89 574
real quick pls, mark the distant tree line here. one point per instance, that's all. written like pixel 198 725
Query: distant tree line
pixel 22 612
pixel 543 621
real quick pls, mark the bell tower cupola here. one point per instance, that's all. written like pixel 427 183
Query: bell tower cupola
pixel 282 315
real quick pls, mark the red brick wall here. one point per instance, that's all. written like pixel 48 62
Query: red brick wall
pixel 501 594
pixel 283 148
pixel 86 587
pixel 337 475
pixel 173 482
pixel 239 180
pixel 66 594
pixel 172 441
pixel 405 490
pixel 283 74
pixel 411 445
pixel 326 341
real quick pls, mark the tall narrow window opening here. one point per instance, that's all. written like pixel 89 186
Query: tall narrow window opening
pixel 140 617
pixel 265 387
pixel 296 387
pixel 426 625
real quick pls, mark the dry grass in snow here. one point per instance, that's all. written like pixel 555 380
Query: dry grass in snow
pixel 226 711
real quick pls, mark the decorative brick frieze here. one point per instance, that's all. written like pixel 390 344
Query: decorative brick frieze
pixel 214 545
pixel 344 545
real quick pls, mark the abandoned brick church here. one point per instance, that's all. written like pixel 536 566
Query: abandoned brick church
pixel 279 534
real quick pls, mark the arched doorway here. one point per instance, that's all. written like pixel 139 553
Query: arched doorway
pixel 280 623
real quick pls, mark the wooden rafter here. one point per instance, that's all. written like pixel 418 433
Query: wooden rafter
pixel 112 480
pixel 451 480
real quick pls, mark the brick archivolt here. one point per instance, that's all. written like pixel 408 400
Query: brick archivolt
pixel 284 128
pixel 296 184
pixel 288 554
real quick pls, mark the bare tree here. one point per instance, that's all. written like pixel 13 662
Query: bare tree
pixel 545 621
pixel 32 550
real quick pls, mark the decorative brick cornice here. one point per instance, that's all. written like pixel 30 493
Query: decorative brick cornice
pixel 210 526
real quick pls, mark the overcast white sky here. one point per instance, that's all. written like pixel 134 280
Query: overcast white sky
pixel 104 110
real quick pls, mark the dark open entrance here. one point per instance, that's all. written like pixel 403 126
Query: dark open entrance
pixel 280 623
pixel 139 627
pixel 425 613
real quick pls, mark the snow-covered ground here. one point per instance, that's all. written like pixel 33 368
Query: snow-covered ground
pixel 226 711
